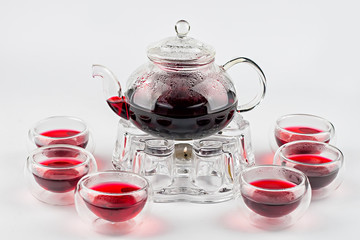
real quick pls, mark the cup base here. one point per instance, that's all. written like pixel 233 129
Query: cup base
pixel 56 199
pixel 270 224
pixel 114 228
pixel 321 193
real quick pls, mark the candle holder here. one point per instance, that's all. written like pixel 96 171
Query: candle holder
pixel 202 171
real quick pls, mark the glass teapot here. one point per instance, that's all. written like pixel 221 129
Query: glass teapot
pixel 180 93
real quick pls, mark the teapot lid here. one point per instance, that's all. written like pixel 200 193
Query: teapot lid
pixel 181 50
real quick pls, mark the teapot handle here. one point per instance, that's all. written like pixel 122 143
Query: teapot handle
pixel 258 98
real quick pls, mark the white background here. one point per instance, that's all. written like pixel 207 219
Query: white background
pixel 309 51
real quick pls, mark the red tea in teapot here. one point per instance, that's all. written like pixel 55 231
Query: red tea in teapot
pixel 176 115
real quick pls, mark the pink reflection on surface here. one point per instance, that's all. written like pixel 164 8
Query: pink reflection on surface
pixel 152 226
pixel 264 158
pixel 236 220
pixel 103 162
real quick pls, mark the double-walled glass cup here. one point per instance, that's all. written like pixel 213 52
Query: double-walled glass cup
pixel 60 130
pixel 112 201
pixel 274 197
pixel 52 172
pixel 321 162
pixel 296 127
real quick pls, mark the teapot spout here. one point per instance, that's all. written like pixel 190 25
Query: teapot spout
pixel 111 85
pixel 112 90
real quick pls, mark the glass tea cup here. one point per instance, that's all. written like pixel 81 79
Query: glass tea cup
pixel 296 127
pixel 53 171
pixel 60 130
pixel 321 162
pixel 112 201
pixel 274 197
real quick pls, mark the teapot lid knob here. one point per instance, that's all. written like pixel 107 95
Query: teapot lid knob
pixel 181 50
pixel 182 28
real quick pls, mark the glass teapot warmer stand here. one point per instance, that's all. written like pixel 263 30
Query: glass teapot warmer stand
pixel 201 171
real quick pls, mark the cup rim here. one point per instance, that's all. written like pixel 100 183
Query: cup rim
pixel 89 156
pixel 340 158
pixel 330 127
pixel 297 186
pixel 35 132
pixel 83 179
